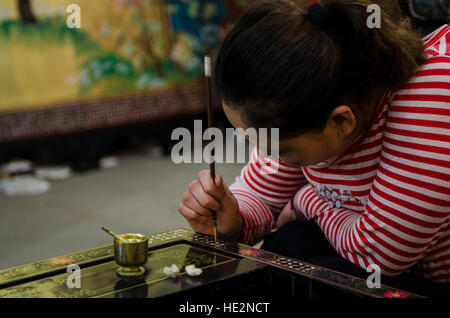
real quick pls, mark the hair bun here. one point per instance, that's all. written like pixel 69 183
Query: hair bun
pixel 318 15
pixel 333 20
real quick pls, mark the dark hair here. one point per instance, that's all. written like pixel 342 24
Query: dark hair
pixel 285 70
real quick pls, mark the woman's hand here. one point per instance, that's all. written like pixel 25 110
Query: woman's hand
pixel 204 196
pixel 287 215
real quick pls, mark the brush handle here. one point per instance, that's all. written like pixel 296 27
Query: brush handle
pixel 208 66
pixel 212 167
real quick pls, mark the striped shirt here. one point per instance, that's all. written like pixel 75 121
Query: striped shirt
pixel 386 199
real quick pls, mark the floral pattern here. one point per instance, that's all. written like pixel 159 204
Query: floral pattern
pixel 63 261
pixel 336 199
pixel 249 251
pixel 396 294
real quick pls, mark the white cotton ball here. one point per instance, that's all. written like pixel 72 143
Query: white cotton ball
pixel 175 269
pixel 191 270
pixel 167 271
pixel 171 271
pixel 196 272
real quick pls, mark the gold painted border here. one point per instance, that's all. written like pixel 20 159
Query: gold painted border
pixel 207 241
pixel 32 284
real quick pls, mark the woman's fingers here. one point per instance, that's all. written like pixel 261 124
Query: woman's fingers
pixel 191 202
pixel 198 223
pixel 189 214
pixel 208 185
pixel 202 197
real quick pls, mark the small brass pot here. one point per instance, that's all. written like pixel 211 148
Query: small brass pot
pixel 131 252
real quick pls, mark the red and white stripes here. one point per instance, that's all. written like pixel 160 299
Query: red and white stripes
pixel 386 200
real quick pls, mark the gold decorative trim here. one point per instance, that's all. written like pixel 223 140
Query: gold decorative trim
pixel 347 282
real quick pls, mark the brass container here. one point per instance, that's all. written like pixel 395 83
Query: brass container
pixel 131 252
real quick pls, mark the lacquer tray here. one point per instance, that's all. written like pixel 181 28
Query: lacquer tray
pixel 228 269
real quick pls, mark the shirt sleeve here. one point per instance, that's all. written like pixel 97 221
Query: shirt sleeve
pixel 264 187
pixel 408 208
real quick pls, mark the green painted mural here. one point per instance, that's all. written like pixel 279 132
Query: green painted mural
pixel 123 46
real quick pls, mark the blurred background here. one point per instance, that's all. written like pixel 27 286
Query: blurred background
pixel 86 115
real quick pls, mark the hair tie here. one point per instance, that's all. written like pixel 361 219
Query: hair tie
pixel 318 15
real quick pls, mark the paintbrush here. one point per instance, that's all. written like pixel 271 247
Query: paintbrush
pixel 212 168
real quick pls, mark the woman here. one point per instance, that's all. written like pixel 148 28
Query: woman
pixel 364 121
